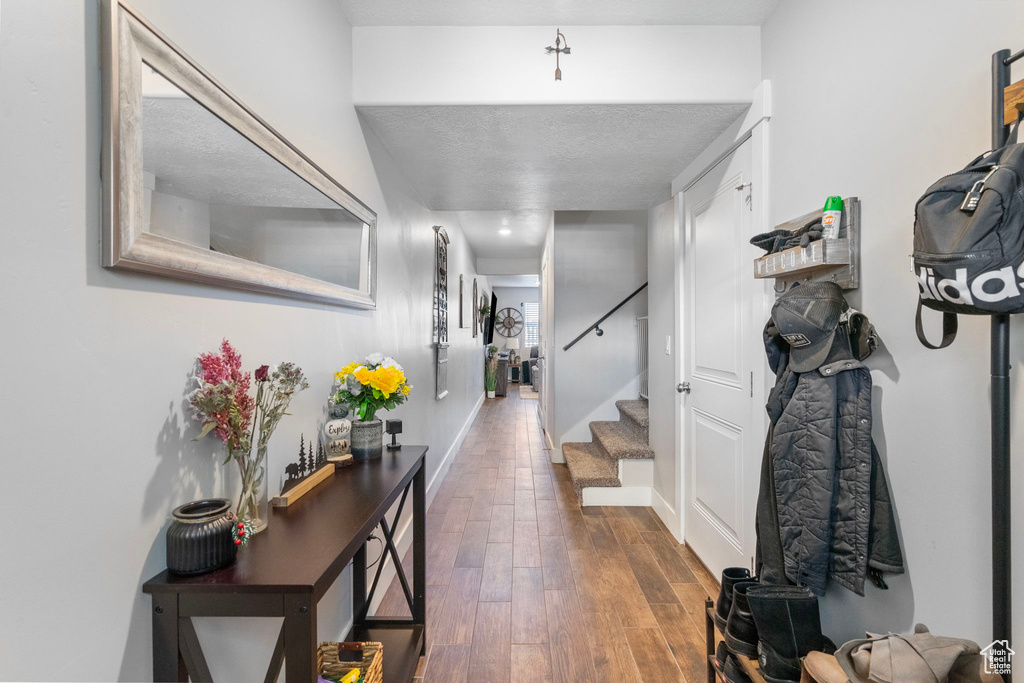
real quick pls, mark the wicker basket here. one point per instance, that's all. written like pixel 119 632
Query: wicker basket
pixel 371 664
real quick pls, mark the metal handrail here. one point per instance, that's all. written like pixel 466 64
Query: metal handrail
pixel 596 326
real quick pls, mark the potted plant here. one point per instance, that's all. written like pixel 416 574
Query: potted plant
pixel 223 404
pixel 491 371
pixel 376 383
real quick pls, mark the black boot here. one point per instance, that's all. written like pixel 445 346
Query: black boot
pixel 740 630
pixel 721 657
pixel 788 626
pixel 729 578
pixel 734 672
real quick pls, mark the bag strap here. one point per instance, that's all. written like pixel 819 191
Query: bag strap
pixel 949 328
pixel 1012 138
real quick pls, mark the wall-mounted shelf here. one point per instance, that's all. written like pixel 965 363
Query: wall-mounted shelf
pixel 836 260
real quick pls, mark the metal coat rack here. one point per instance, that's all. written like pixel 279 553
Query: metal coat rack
pixel 1000 368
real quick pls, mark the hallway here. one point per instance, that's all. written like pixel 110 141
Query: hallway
pixel 521 578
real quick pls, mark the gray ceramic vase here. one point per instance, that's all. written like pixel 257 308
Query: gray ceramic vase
pixel 367 439
pixel 199 538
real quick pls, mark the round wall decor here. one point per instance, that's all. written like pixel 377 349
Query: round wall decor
pixel 509 322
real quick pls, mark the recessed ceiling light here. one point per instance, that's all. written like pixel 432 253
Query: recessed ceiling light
pixel 504 232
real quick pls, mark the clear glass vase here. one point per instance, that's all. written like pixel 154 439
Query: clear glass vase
pixel 253 501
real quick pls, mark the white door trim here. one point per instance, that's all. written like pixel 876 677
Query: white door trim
pixel 753 126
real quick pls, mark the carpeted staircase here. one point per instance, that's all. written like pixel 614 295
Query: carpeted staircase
pixel 596 464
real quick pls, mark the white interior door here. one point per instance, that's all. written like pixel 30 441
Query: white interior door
pixel 721 451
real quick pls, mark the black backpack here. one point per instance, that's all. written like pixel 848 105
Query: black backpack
pixel 969 241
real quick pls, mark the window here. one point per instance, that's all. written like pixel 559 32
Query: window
pixel 531 324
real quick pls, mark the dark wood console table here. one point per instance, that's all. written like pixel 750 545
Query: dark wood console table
pixel 285 570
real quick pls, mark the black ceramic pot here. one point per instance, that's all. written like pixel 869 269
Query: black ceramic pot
pixel 199 539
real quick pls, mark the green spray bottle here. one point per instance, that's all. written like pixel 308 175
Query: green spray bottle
pixel 832 218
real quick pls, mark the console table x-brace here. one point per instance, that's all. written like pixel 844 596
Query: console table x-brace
pixel 287 569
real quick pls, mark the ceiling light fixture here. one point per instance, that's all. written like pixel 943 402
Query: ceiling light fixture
pixel 559 51
pixel 505 232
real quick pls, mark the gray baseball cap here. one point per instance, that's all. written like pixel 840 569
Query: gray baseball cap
pixel 808 316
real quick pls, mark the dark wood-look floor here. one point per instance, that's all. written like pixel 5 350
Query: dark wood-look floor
pixel 522 579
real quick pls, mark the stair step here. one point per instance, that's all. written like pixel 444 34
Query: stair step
pixel 589 465
pixel 636 414
pixel 620 441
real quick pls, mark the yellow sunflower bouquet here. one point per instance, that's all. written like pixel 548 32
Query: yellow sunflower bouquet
pixel 377 382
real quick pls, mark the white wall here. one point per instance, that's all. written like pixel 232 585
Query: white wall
pixel 179 218
pixel 884 101
pixel 662 397
pixel 515 296
pixel 507 266
pixel 600 258
pixel 507 64
pixel 321 243
pixel 97 444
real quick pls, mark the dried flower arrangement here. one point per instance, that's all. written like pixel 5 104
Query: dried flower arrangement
pixel 223 404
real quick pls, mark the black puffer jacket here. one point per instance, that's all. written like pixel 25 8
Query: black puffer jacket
pixel 824 509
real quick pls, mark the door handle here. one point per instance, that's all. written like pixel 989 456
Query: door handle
pixel 683 387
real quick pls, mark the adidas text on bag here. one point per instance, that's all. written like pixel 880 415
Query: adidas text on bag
pixel 969 241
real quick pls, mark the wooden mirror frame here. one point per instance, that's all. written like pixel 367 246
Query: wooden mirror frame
pixel 128 40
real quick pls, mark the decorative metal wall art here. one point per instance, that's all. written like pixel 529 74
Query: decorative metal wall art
pixel 559 51
pixel 472 312
pixel 441 243
pixel 462 301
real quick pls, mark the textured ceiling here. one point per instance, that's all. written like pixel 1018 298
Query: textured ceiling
pixel 562 12
pixel 525 238
pixel 194 154
pixel 546 157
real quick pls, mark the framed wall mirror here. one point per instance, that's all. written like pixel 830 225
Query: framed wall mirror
pixel 198 186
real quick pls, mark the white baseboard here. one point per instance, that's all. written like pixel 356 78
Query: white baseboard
pixel 403 537
pixel 668 515
pixel 554 452
pixel 446 462
pixel 617 495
